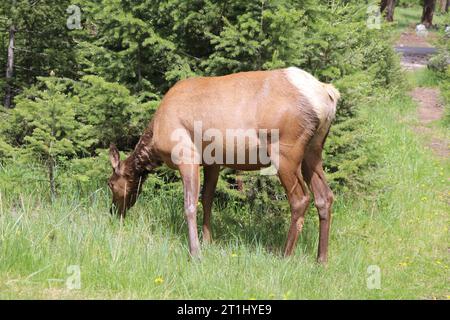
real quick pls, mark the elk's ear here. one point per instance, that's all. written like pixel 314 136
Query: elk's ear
pixel 114 157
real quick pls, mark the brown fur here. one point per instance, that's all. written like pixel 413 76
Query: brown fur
pixel 249 100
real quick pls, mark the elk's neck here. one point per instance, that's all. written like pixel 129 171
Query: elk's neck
pixel 144 158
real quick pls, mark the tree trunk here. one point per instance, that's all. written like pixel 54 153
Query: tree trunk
pixel 443 5
pixel 10 67
pixel 390 10
pixel 139 67
pixel 389 6
pixel 51 177
pixel 383 5
pixel 428 11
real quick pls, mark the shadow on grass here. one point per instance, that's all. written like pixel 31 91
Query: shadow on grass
pixel 232 223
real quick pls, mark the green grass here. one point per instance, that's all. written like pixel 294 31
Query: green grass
pixel 399 225
pixel 407 17
pixel 423 78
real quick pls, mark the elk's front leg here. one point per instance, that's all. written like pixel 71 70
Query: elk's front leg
pixel 191 186
pixel 211 175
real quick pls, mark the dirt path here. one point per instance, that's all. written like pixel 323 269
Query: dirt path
pixel 429 110
pixel 415 49
pixel 415 52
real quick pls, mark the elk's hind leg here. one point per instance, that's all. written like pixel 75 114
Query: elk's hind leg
pixel 312 168
pixel 297 194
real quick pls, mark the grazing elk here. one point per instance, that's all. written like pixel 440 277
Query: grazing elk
pixel 291 101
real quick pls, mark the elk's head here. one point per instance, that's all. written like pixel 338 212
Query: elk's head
pixel 124 183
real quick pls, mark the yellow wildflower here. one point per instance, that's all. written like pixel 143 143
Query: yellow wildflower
pixel 159 280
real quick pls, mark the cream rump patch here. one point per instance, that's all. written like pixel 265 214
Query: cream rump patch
pixel 322 97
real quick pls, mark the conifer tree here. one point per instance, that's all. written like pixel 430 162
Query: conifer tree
pixel 47 119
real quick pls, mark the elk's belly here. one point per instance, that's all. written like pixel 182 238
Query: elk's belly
pixel 240 154
pixel 246 167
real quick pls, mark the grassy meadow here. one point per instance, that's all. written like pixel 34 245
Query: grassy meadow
pixel 398 223
pixel 75 91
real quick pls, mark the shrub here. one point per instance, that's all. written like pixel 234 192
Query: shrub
pixel 113 112
pixel 60 120
pixel 439 63
pixel 148 47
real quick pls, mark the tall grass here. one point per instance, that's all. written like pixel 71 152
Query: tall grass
pixel 400 224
